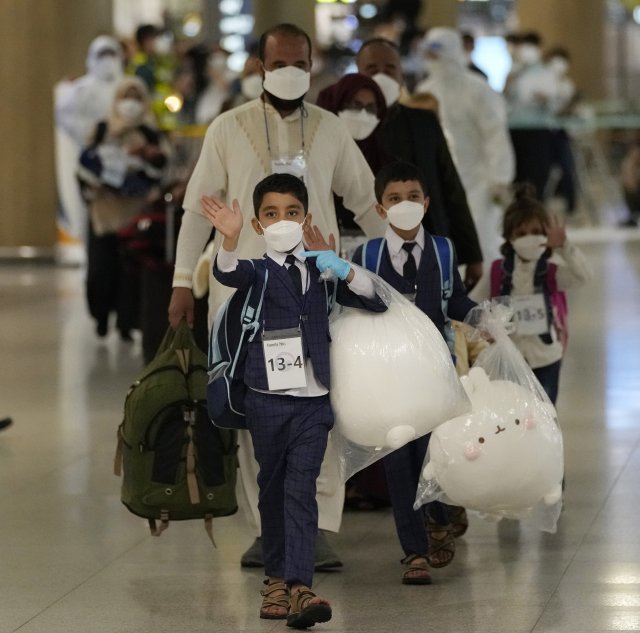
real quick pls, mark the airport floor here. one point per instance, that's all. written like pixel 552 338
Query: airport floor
pixel 74 560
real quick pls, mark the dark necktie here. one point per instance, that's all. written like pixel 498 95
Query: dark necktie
pixel 294 273
pixel 409 271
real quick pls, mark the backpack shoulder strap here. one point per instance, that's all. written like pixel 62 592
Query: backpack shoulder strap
pixel 249 316
pixel 444 255
pixel 552 282
pixel 496 277
pixel 372 253
pixel 252 308
pixel 100 133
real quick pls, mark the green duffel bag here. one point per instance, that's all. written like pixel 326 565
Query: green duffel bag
pixel 175 464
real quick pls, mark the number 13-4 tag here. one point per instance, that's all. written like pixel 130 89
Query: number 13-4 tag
pixel 284 359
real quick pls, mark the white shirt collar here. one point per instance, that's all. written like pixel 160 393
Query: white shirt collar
pixel 395 242
pixel 279 258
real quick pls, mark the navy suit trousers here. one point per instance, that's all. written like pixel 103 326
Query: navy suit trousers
pixel 403 468
pixel 289 439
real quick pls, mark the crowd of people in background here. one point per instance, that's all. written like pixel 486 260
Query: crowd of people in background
pixel 416 105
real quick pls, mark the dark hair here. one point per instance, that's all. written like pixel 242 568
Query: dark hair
pixel 378 40
pixel 524 208
pixel 558 51
pixel 531 37
pixel 280 183
pixel 513 37
pixel 287 29
pixel 467 38
pixel 145 31
pixel 397 172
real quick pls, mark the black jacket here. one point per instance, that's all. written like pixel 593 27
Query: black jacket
pixel 415 136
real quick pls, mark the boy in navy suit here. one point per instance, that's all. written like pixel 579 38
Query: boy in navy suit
pixel 408 261
pixel 287 406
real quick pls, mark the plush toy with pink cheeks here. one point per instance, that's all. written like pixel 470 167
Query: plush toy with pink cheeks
pixel 392 377
pixel 504 457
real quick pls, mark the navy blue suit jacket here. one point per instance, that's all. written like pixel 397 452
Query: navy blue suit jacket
pixel 283 308
pixel 428 284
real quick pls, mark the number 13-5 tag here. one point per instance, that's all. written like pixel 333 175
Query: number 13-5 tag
pixel 284 359
pixel 531 314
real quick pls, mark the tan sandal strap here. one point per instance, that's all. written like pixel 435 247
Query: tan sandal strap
pixel 269 600
pixel 300 599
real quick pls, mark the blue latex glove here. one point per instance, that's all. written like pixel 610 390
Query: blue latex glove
pixel 328 260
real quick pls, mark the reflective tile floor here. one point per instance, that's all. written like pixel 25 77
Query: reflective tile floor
pixel 72 559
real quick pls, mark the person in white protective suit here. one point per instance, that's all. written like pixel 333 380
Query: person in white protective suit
pixel 79 104
pixel 474 118
pixel 86 100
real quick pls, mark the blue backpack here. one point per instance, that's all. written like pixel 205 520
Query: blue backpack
pixel 372 256
pixel 236 324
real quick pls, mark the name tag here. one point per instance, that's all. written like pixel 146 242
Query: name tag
pixel 296 165
pixel 284 359
pixel 114 165
pixel 531 314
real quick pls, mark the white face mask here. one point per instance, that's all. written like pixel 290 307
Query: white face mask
pixel 529 54
pixel 162 44
pixel 360 123
pixel 107 68
pixel 283 236
pixel 288 83
pixel 251 86
pixel 130 109
pixel 530 247
pixel 405 215
pixel 389 86
pixel 559 66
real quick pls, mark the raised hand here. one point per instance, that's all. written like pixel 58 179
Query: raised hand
pixel 314 240
pixel 556 233
pixel 227 221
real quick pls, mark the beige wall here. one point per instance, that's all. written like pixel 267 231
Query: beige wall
pixel 42 41
pixel 268 13
pixel 579 26
pixel 438 13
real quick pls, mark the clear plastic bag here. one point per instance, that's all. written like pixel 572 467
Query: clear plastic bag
pixel 504 459
pixel 392 379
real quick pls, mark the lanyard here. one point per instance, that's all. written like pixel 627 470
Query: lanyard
pixel 303 114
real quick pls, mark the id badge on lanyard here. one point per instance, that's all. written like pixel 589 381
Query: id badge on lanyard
pixel 294 165
pixel 531 314
pixel 284 359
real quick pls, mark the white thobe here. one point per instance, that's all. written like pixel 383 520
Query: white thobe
pixel 237 153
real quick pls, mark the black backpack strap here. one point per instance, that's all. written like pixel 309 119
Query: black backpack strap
pixel 101 132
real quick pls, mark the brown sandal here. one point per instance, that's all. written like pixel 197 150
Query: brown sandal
pixel 276 594
pixel 444 543
pixel 303 613
pixel 459 520
pixel 417 571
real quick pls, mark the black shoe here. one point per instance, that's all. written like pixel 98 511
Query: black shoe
pixel 102 328
pixel 125 335
pixel 5 422
pixel 253 556
pixel 326 558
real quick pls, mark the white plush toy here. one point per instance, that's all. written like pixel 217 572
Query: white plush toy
pixel 504 457
pixel 392 377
